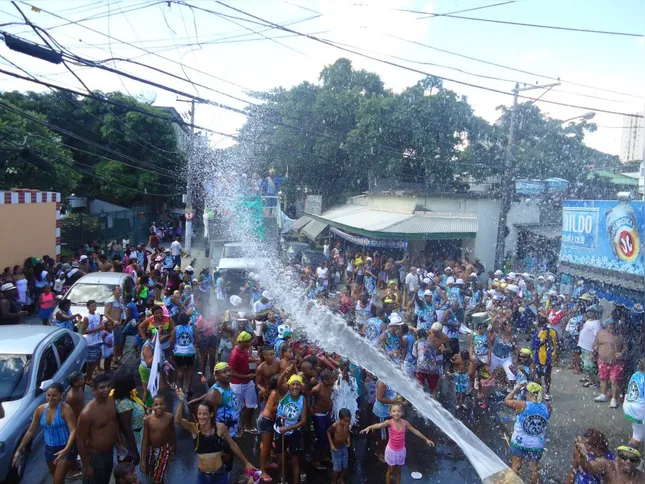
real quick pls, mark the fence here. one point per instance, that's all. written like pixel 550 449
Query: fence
pixel 79 228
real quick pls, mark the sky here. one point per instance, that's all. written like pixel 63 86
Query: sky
pixel 230 59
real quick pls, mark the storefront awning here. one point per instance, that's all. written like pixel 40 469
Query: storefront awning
pixel 313 229
pixel 300 223
pixel 622 289
pixel 370 242
pixel 379 224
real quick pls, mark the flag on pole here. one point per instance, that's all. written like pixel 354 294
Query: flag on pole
pixel 155 373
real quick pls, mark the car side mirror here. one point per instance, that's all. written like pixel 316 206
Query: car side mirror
pixel 45 385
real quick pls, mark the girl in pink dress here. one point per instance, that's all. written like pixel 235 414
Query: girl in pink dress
pixel 395 450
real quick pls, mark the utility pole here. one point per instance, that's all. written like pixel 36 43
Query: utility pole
pixel 508 176
pixel 190 188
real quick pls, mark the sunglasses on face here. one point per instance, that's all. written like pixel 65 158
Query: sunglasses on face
pixel 632 459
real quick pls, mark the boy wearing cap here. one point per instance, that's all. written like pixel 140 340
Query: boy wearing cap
pixel 622 470
pixel 242 380
pixel 291 417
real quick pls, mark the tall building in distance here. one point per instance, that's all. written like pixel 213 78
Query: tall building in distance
pixel 631 139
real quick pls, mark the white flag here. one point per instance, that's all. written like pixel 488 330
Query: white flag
pixel 155 374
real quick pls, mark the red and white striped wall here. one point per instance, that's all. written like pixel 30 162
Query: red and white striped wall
pixel 35 196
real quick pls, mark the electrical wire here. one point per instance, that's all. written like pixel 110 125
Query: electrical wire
pixel 411 69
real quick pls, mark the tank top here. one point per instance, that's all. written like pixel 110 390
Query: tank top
pixel 228 412
pixel 397 437
pixel 382 410
pixel 450 330
pixel 480 344
pixel 277 345
pixel 501 348
pixel 373 330
pixel 425 316
pixel 208 444
pixel 21 286
pixel 172 308
pixel 143 361
pixel 289 411
pixel 583 477
pixel 93 321
pixel 163 329
pixel 634 404
pixel 362 313
pixel 67 324
pixel 409 342
pixel 271 332
pixel 57 433
pixel 184 341
pixel 521 377
pixel 205 285
pixel 529 432
pixel 47 300
pixel 392 342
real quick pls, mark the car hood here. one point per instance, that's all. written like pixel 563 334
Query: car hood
pixel 246 263
pixel 11 409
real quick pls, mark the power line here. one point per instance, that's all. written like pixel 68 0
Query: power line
pixel 411 69
pixel 445 51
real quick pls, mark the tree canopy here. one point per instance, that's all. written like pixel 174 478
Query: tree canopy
pixel 332 136
pixel 128 154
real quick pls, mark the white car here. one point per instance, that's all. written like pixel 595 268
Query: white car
pixel 31 359
pixel 235 265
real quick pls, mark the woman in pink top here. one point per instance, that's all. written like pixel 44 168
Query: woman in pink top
pixel 395 450
pixel 46 304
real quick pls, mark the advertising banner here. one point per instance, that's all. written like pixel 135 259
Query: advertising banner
pixel 604 234
pixel 370 242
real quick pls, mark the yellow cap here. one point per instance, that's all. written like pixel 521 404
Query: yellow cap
pixel 222 365
pixel 244 336
pixel 629 448
pixel 526 351
pixel 294 379
pixel 536 389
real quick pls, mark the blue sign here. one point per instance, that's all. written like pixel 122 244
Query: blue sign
pixel 604 234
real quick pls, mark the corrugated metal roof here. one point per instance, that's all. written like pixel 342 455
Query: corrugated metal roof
pixel 301 222
pixel 627 281
pixel 365 220
pixel 313 229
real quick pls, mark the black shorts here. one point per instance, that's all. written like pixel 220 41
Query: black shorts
pixel 292 442
pixel 185 360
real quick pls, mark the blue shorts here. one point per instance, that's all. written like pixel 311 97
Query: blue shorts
pixel 220 476
pixel 462 382
pixel 534 455
pixel 340 458
pixel 94 353
pixel 51 450
pixel 321 425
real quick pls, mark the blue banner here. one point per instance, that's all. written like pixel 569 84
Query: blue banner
pixel 604 234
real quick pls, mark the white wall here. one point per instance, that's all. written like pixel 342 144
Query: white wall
pixel 487 211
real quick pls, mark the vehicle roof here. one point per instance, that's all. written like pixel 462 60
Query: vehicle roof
pixel 102 278
pixel 235 244
pixel 22 339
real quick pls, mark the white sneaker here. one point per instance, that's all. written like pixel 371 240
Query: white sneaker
pixel 547 397
pixel 613 403
pixel 601 398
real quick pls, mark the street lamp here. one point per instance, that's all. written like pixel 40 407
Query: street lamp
pixel 587 116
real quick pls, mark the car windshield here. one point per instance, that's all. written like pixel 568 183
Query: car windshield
pixel 233 252
pixel 294 248
pixel 313 258
pixel 14 371
pixel 81 293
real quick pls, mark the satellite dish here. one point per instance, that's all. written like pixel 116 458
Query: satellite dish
pixel 147 96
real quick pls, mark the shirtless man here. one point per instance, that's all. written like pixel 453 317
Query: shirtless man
pixel 76 394
pixel 159 440
pixel 622 470
pixel 610 348
pixel 98 433
pixel 104 265
pixel 286 357
pixel 321 409
pixel 269 367
pixel 310 377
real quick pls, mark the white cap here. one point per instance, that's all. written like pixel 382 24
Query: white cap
pixel 235 300
pixel 448 269
pixel 526 275
pixel 426 280
pixel 251 275
pixel 7 286
pixel 553 292
pixel 450 280
pixel 473 275
pixel 83 257
pixel 550 278
pixel 430 275
pixel 540 278
pixel 436 327
pixel 511 275
pixel 498 273
pixel 266 295
pixel 459 281
pixel 395 319
pixel 189 269
pixel 427 293
pixel 513 288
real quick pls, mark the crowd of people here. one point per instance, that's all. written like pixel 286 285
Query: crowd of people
pixel 477 339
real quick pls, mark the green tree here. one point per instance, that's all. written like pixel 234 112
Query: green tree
pixel 31 156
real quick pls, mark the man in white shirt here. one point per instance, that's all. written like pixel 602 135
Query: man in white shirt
pixel 322 273
pixel 175 251
pixel 125 242
pixel 412 282
pixel 585 341
pixel 262 305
